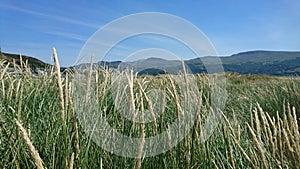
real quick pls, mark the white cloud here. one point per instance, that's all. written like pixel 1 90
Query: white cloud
pixel 54 17
pixel 67 35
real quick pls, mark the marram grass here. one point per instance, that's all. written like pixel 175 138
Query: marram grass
pixel 38 125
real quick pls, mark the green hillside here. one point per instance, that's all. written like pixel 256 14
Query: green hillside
pixel 280 63
pixel 264 62
pixel 32 62
pixel 254 62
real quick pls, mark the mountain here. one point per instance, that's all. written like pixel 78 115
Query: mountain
pixel 32 62
pixel 156 65
pixel 263 62
pixel 251 62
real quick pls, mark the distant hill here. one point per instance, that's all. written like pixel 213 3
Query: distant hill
pixel 255 62
pixel 32 62
pixel 264 62
pixel 252 62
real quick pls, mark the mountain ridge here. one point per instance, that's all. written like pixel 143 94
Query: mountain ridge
pixel 16 58
pixel 247 62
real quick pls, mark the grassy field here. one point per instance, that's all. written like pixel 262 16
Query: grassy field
pixel 39 128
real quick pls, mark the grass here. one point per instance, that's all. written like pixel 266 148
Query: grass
pixel 38 125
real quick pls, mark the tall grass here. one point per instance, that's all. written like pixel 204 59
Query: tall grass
pixel 259 128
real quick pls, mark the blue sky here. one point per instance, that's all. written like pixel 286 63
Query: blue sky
pixel 34 27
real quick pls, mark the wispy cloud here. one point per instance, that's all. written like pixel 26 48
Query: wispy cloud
pixel 67 35
pixel 54 17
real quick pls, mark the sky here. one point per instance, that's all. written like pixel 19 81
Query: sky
pixel 34 27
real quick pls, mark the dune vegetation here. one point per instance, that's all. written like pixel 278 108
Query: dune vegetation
pixel 39 125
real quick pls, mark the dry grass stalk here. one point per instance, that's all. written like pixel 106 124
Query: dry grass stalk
pixel 66 91
pixel 279 126
pixel 244 154
pixel 61 101
pixel 105 82
pixel 101 165
pixel 265 124
pixel 291 138
pixel 150 107
pixel 198 118
pixel 97 85
pixel 287 140
pixel 296 128
pixel 259 146
pixel 21 61
pixel 71 161
pixel 239 133
pixel 138 162
pixel 34 153
pixel 27 68
pixel 11 89
pixel 18 88
pixel 163 105
pixel 3 88
pixel 271 135
pixel 74 125
pixel 4 71
pixel 285 121
pixel 20 103
pixel 214 163
pixel 176 98
pixel 251 117
pixel 60 88
pixel 14 63
pixel 228 144
pixel 257 122
pixel 184 74
pixel 296 135
pixel 131 94
pixel 169 139
pixel 89 80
